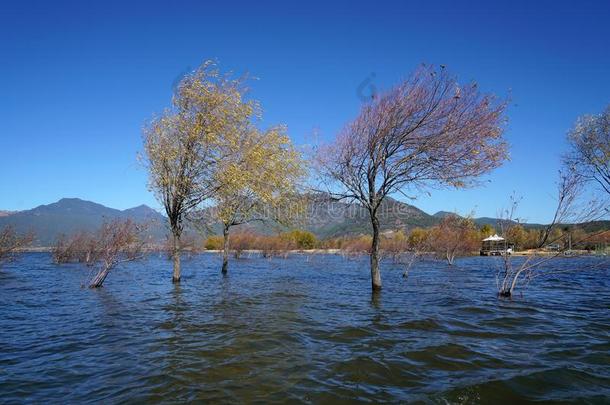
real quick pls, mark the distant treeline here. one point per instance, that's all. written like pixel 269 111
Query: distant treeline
pixel 456 235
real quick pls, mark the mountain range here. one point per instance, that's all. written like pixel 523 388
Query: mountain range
pixel 324 218
pixel 70 215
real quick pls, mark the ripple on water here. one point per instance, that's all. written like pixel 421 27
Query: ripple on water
pixel 301 329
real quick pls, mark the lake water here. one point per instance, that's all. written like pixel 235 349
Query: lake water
pixel 301 329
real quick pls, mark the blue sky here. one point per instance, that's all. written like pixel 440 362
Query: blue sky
pixel 78 80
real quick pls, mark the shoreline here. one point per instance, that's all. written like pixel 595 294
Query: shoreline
pixel 573 253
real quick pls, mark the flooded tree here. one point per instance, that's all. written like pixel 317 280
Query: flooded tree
pixel 404 249
pixel 590 149
pixel 454 236
pixel 11 242
pixel 240 242
pixel 182 145
pixel 427 131
pixel 256 181
pixel 79 247
pixel 115 242
pixel 190 245
pixel 562 237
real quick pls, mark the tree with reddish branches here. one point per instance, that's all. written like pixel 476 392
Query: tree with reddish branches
pixel 116 242
pixel 427 131
pixel 454 236
pixel 11 242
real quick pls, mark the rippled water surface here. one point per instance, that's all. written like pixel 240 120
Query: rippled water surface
pixel 301 329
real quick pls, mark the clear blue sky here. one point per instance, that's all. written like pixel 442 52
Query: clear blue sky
pixel 79 79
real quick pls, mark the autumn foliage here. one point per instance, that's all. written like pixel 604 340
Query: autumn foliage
pixel 454 236
pixel 269 245
pixel 184 145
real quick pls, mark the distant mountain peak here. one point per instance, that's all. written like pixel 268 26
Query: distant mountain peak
pixel 70 199
pixel 443 214
pixel 141 210
pixel 73 200
pixel 141 207
pixel 70 204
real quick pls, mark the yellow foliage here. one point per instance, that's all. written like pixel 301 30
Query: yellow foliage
pixel 417 237
pixel 213 243
pixel 184 145
pixel 258 175
pixel 300 239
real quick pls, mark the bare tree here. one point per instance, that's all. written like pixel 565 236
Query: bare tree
pixel 427 131
pixel 569 210
pixel 116 242
pixel 11 242
pixel 590 148
pixel 182 145
pixel 80 247
pixel 568 193
pixel 418 246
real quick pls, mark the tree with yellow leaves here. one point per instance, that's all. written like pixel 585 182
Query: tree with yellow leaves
pixel 184 145
pixel 257 180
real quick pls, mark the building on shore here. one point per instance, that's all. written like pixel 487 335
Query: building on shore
pixel 495 246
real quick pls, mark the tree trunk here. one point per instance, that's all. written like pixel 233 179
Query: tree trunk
pixel 375 274
pixel 450 257
pixel 225 250
pixel 514 283
pixel 176 257
pixel 100 277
